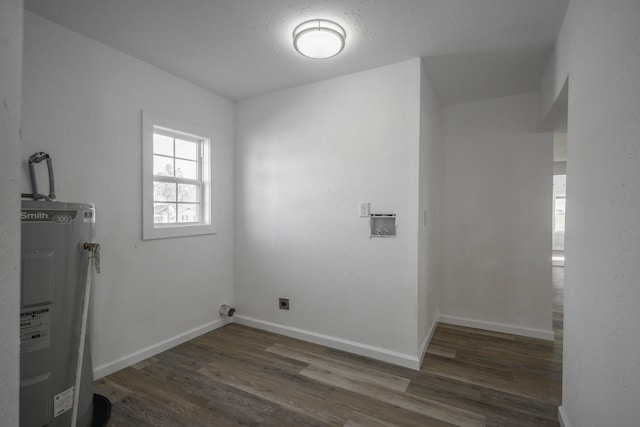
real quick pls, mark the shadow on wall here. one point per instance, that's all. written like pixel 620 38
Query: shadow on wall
pixel 476 76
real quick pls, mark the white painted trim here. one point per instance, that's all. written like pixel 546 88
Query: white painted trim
pixel 140 355
pixel 377 353
pixel 422 351
pixel 562 417
pixel 497 327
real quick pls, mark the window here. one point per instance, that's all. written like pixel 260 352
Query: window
pixel 177 178
pixel 560 204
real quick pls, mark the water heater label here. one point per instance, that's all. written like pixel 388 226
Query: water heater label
pixel 89 217
pixel 35 328
pixel 62 402
pixel 48 215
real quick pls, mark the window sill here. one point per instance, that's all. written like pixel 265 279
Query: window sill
pixel 165 232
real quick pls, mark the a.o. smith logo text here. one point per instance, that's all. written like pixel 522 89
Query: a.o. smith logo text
pixel 40 215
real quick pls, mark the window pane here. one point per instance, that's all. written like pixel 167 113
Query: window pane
pixel 163 166
pixel 187 193
pixel 164 191
pixel 164 213
pixel 188 212
pixel 561 208
pixel 186 149
pixel 162 144
pixel 186 169
pixel 559 223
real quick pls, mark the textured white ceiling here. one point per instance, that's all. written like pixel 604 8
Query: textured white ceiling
pixel 473 49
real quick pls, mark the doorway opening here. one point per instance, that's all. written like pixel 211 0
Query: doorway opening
pixel 559 202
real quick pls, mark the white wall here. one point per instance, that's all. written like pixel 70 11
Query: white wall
pixel 497 237
pixel 82 104
pixel 305 159
pixel 430 211
pixel 10 78
pixel 599 50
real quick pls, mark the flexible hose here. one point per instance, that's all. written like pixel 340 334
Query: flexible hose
pixel 37 158
pixel 52 185
pixel 34 183
pixel 83 331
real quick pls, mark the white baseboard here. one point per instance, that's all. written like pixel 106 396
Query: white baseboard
pixel 562 417
pixel 138 356
pixel 377 353
pixel 422 351
pixel 497 327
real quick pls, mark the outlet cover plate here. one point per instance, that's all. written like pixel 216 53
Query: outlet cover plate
pixel 365 209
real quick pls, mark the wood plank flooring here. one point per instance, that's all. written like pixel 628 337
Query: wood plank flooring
pixel 237 375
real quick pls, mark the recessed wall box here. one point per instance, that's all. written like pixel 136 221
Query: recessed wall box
pixel 383 225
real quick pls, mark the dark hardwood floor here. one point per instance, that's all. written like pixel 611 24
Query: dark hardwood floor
pixel 237 375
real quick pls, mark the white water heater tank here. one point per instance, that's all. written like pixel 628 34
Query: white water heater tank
pixel 54 271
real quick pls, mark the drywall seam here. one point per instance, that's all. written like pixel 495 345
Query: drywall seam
pixel 152 350
pixel 497 327
pixel 400 359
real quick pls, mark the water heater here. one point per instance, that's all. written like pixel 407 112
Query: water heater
pixel 53 285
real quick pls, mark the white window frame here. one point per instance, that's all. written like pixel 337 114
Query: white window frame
pixel 151 123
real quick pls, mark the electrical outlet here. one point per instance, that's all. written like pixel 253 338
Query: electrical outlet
pixel 283 303
pixel 365 209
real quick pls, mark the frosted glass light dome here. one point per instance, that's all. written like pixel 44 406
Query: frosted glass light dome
pixel 319 38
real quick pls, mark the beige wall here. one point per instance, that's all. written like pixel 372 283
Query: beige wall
pixel 10 89
pixel 598 50
pixel 497 237
pixel 82 104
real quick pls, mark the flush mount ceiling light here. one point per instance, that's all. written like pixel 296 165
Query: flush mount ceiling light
pixel 319 38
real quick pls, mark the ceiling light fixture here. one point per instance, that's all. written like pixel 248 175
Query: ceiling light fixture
pixel 319 38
